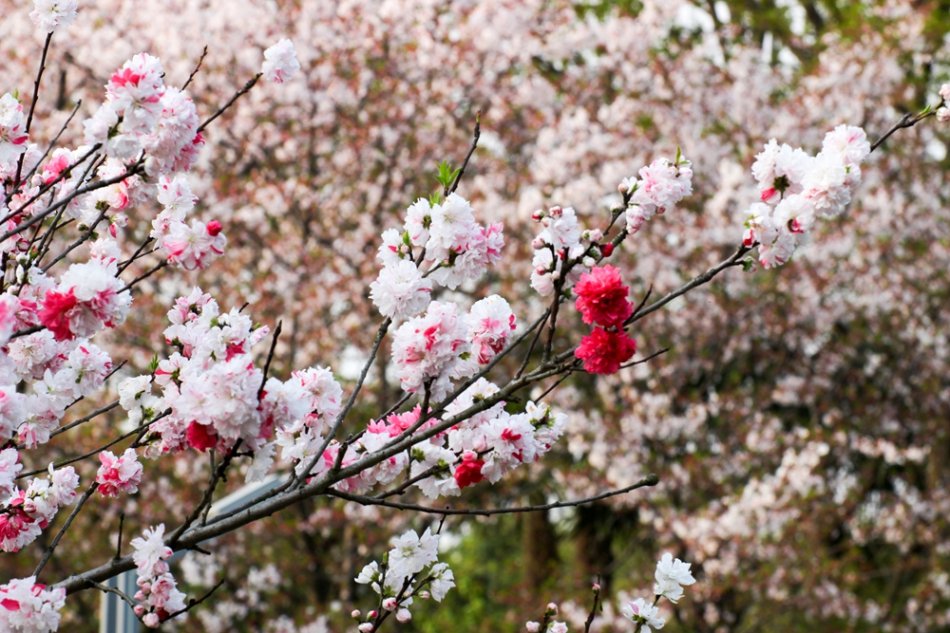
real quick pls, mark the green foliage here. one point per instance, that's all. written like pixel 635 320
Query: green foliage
pixel 446 174
pixel 602 8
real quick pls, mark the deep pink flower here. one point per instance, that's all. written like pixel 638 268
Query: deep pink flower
pixel 469 470
pixel 603 352
pixel 201 436
pixel 53 313
pixel 602 297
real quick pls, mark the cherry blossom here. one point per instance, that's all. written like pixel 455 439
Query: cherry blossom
pixel 29 607
pixel 115 474
pixel 280 62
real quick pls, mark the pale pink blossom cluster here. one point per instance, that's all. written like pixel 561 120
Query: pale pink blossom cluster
pixel 554 626
pixel 644 614
pixel 190 245
pixel 119 474
pixel 550 624
pixel 13 136
pixel 440 243
pixel 56 372
pixel 280 62
pixel 48 15
pixel 29 607
pixel 26 513
pixel 158 596
pixel 88 298
pixel 560 240
pixel 670 577
pixel 943 110
pixel 321 397
pixel 410 570
pixel 660 186
pixel 210 384
pixel 444 345
pixel 797 189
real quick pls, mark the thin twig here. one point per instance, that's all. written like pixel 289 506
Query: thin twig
pixel 648 481
pixel 69 521
pixel 204 53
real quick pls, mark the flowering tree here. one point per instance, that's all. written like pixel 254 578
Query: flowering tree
pixel 83 231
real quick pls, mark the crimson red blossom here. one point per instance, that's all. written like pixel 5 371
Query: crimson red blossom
pixel 54 313
pixel 602 297
pixel 603 352
pixel 469 470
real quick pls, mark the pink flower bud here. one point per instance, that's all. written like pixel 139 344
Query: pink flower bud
pixel 214 227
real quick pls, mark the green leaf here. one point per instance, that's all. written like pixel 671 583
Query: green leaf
pixel 446 175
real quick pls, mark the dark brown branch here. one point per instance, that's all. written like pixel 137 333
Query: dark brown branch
pixel 648 481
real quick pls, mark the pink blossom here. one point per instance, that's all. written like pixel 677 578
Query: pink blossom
pixel 604 351
pixel 117 474
pixel 602 297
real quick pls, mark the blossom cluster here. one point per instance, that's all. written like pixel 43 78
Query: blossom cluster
pixel 558 247
pixel 660 186
pixel 602 300
pixel 29 607
pixel 440 243
pixel 943 110
pixel 411 569
pixel 13 135
pixel 670 577
pixel 445 344
pixel 280 62
pixel 26 513
pixel 48 15
pixel 118 474
pixel 796 189
pixel 158 597
pixel 210 386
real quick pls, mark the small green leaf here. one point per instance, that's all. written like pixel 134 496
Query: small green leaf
pixel 446 175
